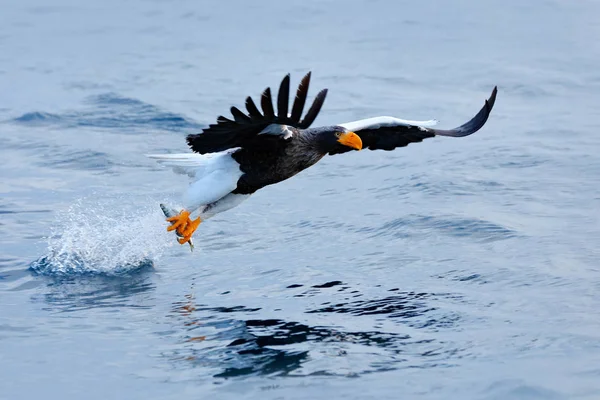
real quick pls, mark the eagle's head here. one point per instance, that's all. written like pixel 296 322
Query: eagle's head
pixel 334 139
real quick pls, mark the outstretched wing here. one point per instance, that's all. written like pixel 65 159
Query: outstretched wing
pixel 245 130
pixel 387 133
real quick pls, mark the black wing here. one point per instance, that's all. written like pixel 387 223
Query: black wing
pixel 387 133
pixel 243 130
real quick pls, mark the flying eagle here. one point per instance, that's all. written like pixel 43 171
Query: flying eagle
pixel 235 157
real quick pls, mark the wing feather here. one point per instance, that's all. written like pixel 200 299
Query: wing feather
pixel 267 104
pixel 283 98
pixel 388 133
pixel 476 123
pixel 239 116
pixel 314 109
pixel 300 99
pixel 256 129
pixel 252 109
pixel 222 119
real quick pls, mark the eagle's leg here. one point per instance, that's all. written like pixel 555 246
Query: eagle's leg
pixel 184 226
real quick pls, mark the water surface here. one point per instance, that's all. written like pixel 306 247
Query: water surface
pixel 450 269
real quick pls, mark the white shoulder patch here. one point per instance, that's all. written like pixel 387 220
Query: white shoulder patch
pixel 378 122
pixel 277 129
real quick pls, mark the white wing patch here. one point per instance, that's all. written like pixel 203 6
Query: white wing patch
pixel 277 129
pixel 214 175
pixel 378 122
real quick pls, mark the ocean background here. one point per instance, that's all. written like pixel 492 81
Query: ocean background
pixel 450 269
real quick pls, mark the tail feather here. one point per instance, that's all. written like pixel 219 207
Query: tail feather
pixel 182 159
pixel 184 164
pixel 192 164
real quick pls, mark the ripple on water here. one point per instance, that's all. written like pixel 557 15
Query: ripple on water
pixel 111 110
pixel 239 341
pixel 474 229
pixel 38 118
pixel 69 293
pixel 81 159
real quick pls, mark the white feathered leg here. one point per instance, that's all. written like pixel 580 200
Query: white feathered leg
pixel 214 177
pixel 226 203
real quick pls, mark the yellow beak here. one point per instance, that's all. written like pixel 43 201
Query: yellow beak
pixel 351 139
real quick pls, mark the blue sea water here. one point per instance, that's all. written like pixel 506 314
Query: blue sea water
pixel 450 269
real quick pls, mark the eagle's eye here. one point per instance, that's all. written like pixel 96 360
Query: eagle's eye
pixel 338 134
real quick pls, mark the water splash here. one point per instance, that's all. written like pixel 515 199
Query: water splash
pixel 104 237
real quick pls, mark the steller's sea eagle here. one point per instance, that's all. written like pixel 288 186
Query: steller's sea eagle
pixel 235 157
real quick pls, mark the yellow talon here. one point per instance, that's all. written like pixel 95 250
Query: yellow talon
pixel 184 226
pixel 179 222
pixel 191 227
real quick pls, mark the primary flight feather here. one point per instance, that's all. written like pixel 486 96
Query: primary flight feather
pixel 236 157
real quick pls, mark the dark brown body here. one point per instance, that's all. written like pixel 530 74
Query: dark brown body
pixel 275 160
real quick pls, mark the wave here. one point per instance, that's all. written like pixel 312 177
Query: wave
pixel 111 110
